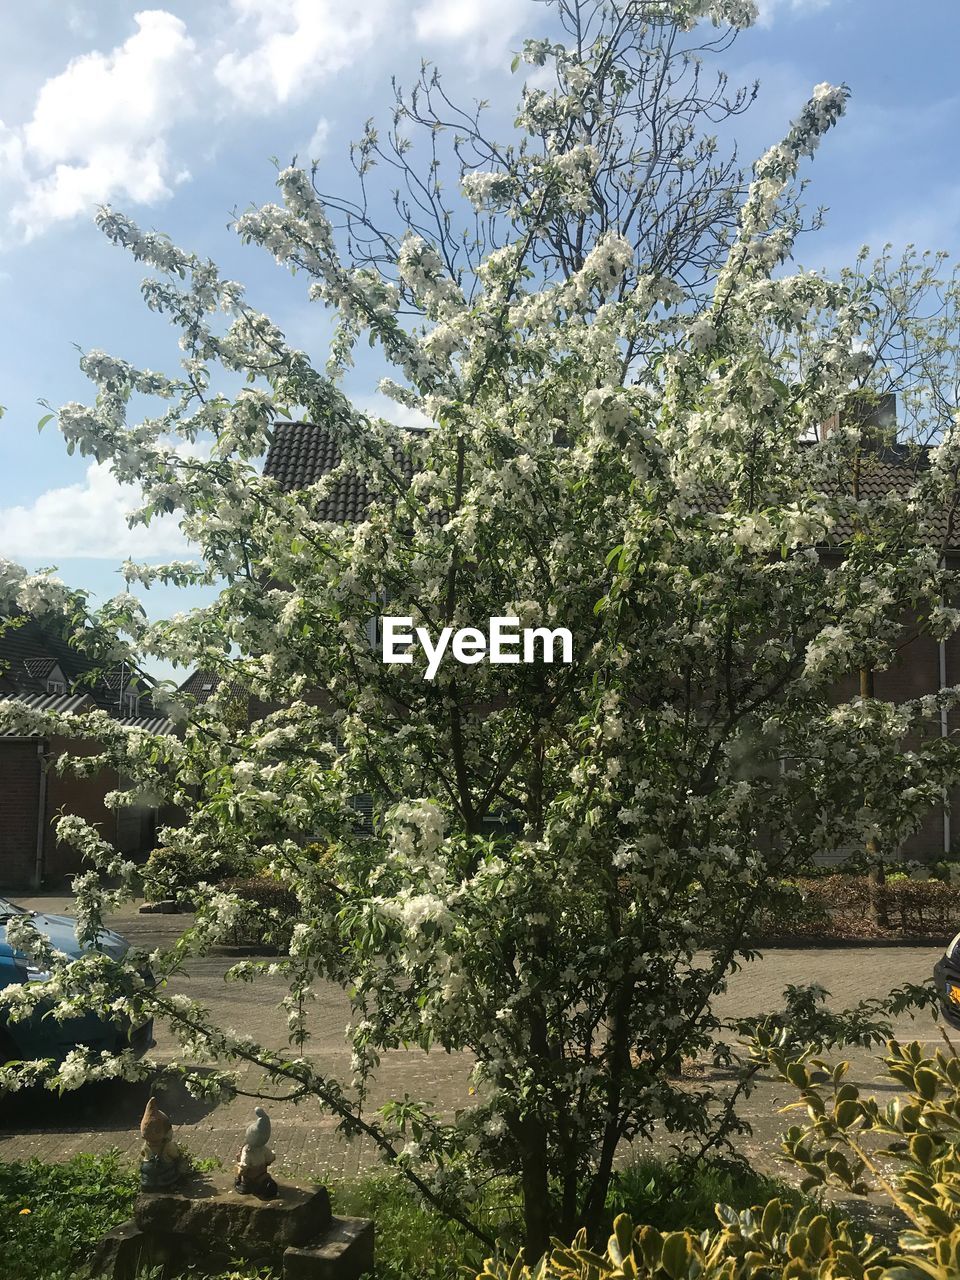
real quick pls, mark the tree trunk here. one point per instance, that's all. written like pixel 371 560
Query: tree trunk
pixel 569 1205
pixel 536 1191
pixel 876 874
pixel 619 1067
pixel 878 891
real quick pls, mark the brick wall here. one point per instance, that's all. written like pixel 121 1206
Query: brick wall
pixel 82 796
pixel 916 672
pixel 19 797
pixel 131 831
pixel 952 647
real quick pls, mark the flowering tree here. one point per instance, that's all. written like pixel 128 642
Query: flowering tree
pixel 569 859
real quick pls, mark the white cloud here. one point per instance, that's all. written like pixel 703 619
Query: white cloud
pixel 11 163
pixel 380 406
pixel 86 519
pixel 295 45
pixel 486 29
pixel 318 141
pixel 99 128
pixel 109 127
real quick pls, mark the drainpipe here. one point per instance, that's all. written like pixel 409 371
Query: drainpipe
pixel 41 815
pixel 944 732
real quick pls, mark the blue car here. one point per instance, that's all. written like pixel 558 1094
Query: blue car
pixel 44 1037
pixel 946 973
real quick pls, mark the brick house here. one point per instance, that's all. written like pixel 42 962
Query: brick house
pixel 39 668
pixel 302 453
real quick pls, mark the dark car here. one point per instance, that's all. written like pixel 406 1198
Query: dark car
pixel 42 1037
pixel 946 974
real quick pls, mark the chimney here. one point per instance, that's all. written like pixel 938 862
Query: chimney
pixel 876 415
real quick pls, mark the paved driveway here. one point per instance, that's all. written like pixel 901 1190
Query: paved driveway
pixel 99 1117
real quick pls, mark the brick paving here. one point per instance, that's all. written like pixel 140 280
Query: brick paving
pixel 101 1117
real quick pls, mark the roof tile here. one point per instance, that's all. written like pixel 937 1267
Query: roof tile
pixel 301 453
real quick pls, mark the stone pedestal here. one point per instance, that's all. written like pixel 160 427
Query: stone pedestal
pixel 208 1225
pixel 345 1253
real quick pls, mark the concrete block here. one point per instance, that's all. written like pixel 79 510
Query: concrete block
pixel 344 1253
pixel 121 1253
pixel 212 1210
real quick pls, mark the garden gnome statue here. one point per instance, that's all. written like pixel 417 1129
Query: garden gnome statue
pixel 255 1157
pixel 161 1160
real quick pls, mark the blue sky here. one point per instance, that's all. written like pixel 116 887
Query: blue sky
pixel 172 114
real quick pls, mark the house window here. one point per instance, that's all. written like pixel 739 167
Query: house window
pixel 56 686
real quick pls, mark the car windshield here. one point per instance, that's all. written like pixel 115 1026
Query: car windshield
pixel 8 909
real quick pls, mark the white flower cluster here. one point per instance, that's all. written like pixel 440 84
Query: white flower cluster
pixel 487 189
pixel 423 271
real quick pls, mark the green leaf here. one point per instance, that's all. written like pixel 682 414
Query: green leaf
pixel 818 1233
pixel 938 1218
pixel 729 1217
pixel 926 1083
pixel 621 1242
pixel 772 1217
pixel 651 1246
pixel 676 1255
pixel 847 1111
pixel 797 1075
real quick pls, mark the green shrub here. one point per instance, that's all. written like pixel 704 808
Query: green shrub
pixel 839 906
pixel 264 891
pixel 270 911
pixel 945 869
pixel 795 910
pixel 775 1240
pixel 172 873
pixel 670 1194
pixel 51 1214
pixel 417 1243
pixel 905 1150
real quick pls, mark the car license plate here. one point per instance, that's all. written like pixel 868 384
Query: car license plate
pixel 953 993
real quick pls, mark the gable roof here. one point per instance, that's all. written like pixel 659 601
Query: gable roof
pixel 202 684
pixel 892 471
pixel 78 704
pixel 301 453
pixel 33 651
pixel 41 668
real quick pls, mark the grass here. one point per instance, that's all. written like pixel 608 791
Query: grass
pixel 414 1243
pixel 70 1205
pixel 670 1195
pixel 51 1214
